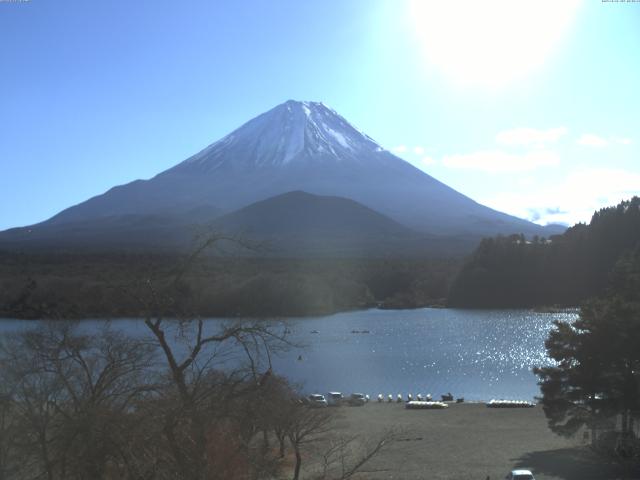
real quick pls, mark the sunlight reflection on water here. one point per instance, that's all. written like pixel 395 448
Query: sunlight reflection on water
pixel 478 354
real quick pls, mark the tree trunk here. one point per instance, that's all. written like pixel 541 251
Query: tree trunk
pixel 45 456
pixel 296 472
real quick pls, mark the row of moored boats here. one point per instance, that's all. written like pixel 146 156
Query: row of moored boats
pixel 510 404
pixel 418 402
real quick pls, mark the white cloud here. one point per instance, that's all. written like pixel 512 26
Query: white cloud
pixel 570 200
pixel 623 141
pixel 423 162
pixel 590 140
pixel 418 150
pixel 500 161
pixel 530 136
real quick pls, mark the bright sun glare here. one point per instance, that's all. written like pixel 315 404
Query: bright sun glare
pixel 490 42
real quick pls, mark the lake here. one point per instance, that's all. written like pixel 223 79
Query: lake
pixel 476 354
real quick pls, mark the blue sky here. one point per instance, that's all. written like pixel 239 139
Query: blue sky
pixel 533 109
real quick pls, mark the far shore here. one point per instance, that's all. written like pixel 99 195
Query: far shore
pixel 380 307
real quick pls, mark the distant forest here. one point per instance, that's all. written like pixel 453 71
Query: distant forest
pixel 117 285
pixel 563 270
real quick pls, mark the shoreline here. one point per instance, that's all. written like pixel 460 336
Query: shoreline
pixel 379 308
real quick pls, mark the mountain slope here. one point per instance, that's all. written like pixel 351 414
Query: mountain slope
pixel 303 214
pixel 299 223
pixel 294 224
pixel 115 232
pixel 302 146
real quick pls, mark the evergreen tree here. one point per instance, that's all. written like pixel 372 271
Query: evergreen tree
pixel 596 380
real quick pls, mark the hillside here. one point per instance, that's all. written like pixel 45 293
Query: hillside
pixel 301 224
pixel 563 270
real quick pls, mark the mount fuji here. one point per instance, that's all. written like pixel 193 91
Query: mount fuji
pixel 296 146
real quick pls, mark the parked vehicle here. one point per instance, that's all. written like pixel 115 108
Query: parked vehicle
pixel 520 475
pixel 317 400
pixel 335 399
pixel 357 399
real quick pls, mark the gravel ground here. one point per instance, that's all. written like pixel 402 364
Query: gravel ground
pixel 470 441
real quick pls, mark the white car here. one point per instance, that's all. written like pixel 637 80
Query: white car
pixel 357 399
pixel 317 400
pixel 336 399
pixel 520 475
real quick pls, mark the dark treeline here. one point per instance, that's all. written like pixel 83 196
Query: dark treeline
pixel 564 270
pixel 91 285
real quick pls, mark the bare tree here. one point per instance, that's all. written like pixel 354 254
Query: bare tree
pixel 69 393
pixel 306 425
pixel 212 368
pixel 216 371
pixel 347 455
pixel 8 464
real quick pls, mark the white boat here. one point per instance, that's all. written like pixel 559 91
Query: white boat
pixel 510 404
pixel 416 405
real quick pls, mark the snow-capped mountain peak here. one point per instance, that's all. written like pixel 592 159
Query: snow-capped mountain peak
pixel 291 132
pixel 300 146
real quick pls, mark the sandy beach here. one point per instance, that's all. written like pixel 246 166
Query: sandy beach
pixel 470 441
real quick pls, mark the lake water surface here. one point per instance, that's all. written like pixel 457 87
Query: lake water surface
pixel 476 354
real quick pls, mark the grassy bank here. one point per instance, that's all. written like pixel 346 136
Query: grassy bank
pixel 470 441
